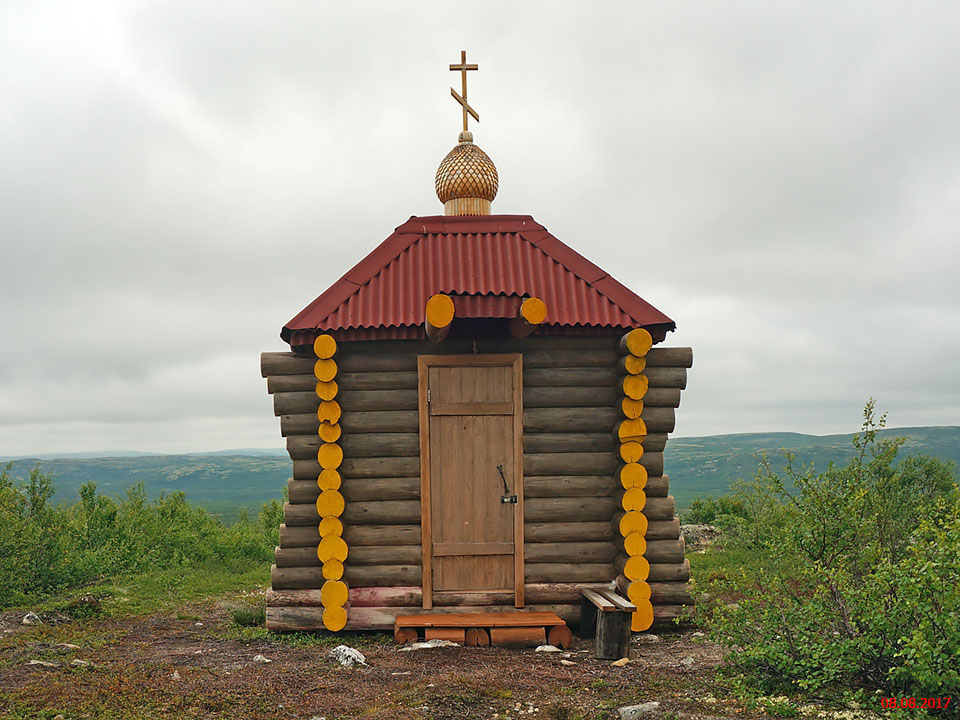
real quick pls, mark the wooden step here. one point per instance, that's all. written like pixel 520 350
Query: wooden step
pixel 505 629
pixel 485 620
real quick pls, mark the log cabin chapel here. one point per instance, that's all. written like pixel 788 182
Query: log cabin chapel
pixel 476 416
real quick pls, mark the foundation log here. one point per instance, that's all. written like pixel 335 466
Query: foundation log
pixel 667 614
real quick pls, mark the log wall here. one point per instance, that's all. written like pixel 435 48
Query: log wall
pixel 571 387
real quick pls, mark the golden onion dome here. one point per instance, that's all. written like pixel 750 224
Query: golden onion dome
pixel 467 179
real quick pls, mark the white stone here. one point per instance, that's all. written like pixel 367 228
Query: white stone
pixel 31 618
pixel 43 663
pixel 347 656
pixel 547 648
pixel 568 663
pixel 635 712
pixel 261 659
pixel 435 643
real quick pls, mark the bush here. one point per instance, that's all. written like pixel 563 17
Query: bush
pixel 861 587
pixel 44 549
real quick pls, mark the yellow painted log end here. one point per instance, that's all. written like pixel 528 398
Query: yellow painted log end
pixel 636 568
pixel 330 503
pixel 325 369
pixel 325 347
pixel 333 594
pixel 330 455
pixel 329 480
pixel 533 310
pixel 633 475
pixel 642 618
pixel 327 390
pixel 638 342
pixel 334 618
pixel 440 310
pixel 332 547
pixel 329 411
pixel 329 432
pixel 631 452
pixel 331 525
pixel 332 570
pixel 633 500
pixel 633 522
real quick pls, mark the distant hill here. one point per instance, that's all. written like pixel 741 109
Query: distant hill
pixel 700 466
pixel 225 481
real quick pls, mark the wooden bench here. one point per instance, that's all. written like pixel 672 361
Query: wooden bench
pixel 605 615
pixel 503 629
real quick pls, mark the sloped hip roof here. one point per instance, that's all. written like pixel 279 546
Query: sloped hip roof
pixel 488 264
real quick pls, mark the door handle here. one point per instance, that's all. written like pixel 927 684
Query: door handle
pixel 506 497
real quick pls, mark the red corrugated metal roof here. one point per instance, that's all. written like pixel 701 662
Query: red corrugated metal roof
pixel 488 264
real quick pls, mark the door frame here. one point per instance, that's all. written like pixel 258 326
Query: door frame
pixel 424 363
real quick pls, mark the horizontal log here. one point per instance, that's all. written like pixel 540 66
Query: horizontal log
pixel 662 593
pixel 291 383
pixel 601 376
pixel 663 529
pixel 567 531
pixel 571 553
pixel 565 442
pixel 660 508
pixel 411 596
pixel 567 572
pixel 388 535
pixel 662 397
pixel 358 555
pixel 362 467
pixel 581 463
pixel 594 419
pixel 656 486
pixel 667 615
pixel 378 400
pixel 666 377
pixel 293 578
pixel 566 397
pixel 358 489
pixel 550 486
pixel 305 619
pixel 658 419
pixel 286 363
pixel 569 464
pixel 669 572
pixel 670 357
pixel 380 512
pixel 660 551
pixel 304 447
pixel 579 357
pixel 354 535
pixel 402 380
pixel 287 403
pixel 583 509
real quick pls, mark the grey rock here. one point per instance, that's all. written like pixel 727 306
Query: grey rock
pixel 347 656
pixel 31 618
pixel 647 638
pixel 699 536
pixel 634 712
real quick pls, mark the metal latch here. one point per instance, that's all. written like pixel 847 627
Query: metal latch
pixel 506 497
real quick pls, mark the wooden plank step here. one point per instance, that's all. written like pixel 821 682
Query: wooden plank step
pixel 622 603
pixel 601 602
pixel 484 620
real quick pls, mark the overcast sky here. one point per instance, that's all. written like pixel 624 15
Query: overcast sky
pixel 179 178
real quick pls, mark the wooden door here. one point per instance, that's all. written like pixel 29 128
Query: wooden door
pixel 471 457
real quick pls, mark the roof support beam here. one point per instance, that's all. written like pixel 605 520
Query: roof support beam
pixel 533 311
pixel 439 317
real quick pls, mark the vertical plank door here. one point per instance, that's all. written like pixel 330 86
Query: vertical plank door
pixel 473 424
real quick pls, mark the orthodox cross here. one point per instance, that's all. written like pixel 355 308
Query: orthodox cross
pixel 462 99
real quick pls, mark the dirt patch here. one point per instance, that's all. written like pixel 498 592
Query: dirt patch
pixel 165 667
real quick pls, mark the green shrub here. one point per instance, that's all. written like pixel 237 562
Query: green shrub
pixel 44 549
pixel 860 581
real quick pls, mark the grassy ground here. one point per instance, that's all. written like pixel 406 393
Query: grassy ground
pixel 159 646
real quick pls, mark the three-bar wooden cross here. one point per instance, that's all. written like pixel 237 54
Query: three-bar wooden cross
pixel 462 99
